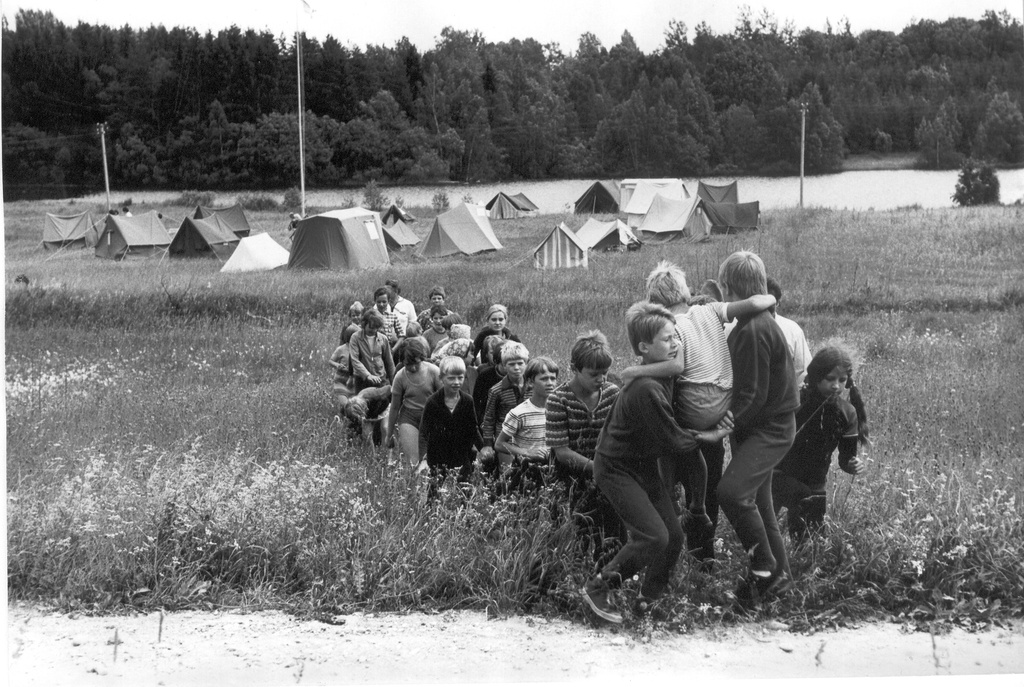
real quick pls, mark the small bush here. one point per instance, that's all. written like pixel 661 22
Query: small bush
pixel 292 199
pixel 977 185
pixel 192 198
pixel 257 202
pixel 440 202
pixel 468 199
pixel 373 198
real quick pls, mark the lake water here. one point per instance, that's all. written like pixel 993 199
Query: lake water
pixel 861 190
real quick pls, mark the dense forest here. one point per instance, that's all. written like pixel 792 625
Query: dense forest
pixel 219 111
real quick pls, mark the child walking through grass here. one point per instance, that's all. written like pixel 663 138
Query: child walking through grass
pixel 449 426
pixel 524 430
pixel 370 353
pixel 575 412
pixel 764 403
pixel 639 433
pixel 503 397
pixel 825 421
pixel 413 385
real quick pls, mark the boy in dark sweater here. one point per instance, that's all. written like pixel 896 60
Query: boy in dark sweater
pixel 449 426
pixel 640 432
pixel 764 404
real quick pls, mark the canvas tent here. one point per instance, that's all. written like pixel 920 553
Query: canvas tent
pixel 726 218
pixel 613 235
pixel 504 206
pixel 399 235
pixel 69 230
pixel 628 186
pixel 200 238
pixel 602 196
pixel 396 214
pixel 644 193
pixel 673 220
pixel 561 248
pixel 351 239
pixel 137 235
pixel 256 253
pixel 719 194
pixel 463 229
pixel 525 204
pixel 233 217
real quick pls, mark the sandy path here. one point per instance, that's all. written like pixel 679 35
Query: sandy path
pixel 276 649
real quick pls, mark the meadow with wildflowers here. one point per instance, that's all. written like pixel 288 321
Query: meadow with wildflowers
pixel 170 440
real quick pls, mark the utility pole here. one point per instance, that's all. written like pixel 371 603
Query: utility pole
pixel 302 143
pixel 803 134
pixel 102 129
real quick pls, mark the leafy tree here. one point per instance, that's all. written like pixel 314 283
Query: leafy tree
pixel 976 185
pixel 1000 136
pixel 937 138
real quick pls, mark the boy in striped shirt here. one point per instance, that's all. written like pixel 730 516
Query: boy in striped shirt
pixel 524 430
pixel 702 393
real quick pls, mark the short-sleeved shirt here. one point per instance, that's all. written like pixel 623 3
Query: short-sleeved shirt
pixel 707 347
pixel 527 425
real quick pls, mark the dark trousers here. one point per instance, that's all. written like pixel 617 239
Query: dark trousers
pixel 655 535
pixel 805 506
pixel 745 492
pixel 598 527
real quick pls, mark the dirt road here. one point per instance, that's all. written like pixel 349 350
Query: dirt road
pixel 465 647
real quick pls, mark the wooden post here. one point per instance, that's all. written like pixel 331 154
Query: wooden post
pixel 803 133
pixel 103 144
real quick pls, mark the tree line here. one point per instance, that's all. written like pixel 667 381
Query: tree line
pixel 190 110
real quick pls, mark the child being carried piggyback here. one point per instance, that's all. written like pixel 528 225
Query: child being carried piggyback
pixel 702 392
pixel 825 421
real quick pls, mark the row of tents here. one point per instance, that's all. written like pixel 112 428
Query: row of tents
pixel 655 206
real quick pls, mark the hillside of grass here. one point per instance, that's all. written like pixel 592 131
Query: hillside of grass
pixel 170 440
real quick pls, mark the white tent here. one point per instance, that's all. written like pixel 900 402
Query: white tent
pixel 256 253
pixel 673 220
pixel 628 186
pixel 613 235
pixel 644 194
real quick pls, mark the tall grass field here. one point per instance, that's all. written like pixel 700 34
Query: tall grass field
pixel 170 441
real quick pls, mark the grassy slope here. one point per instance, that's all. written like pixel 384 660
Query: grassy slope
pixel 169 437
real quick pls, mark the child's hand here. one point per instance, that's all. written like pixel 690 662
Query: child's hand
pixel 374 380
pixel 486 456
pixel 711 436
pixel 855 466
pixel 538 454
pixel 628 375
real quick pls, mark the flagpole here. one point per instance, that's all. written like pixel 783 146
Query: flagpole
pixel 302 147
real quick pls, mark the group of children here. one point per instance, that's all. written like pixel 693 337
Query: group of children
pixel 619 454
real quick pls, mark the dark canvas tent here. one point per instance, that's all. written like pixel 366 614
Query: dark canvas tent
pixel 613 235
pixel 233 217
pixel 399 235
pixel 396 214
pixel 524 203
pixel 138 235
pixel 719 194
pixel 463 229
pixel 601 197
pixel 674 220
pixel 351 239
pixel 256 253
pixel 726 218
pixel 200 238
pixel 502 206
pixel 68 231
pixel 561 248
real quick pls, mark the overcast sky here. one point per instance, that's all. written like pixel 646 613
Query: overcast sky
pixel 383 22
